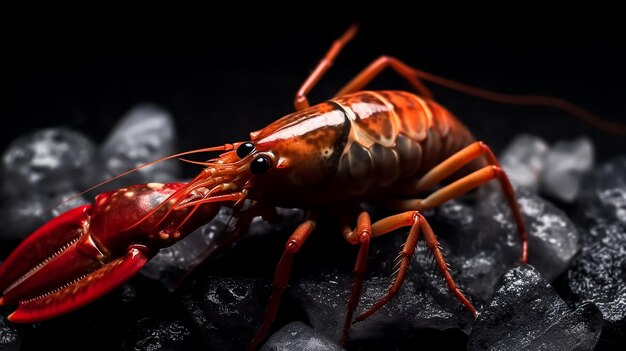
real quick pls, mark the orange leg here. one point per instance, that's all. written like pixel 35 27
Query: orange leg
pixel 301 102
pixel 418 224
pixel 469 182
pixel 363 233
pixel 376 67
pixel 281 278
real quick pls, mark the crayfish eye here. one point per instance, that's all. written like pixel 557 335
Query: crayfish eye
pixel 245 149
pixel 260 165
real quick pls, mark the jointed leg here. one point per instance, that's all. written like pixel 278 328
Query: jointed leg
pixel 363 234
pixel 465 184
pixel 281 278
pixel 418 224
pixel 301 102
pixel 376 67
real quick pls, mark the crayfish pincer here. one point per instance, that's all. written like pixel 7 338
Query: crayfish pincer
pixel 84 253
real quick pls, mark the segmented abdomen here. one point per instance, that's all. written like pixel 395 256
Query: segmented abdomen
pixel 395 135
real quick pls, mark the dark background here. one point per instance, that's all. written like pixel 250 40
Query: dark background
pixel 223 81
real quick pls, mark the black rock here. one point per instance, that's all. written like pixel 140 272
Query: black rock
pixel 48 161
pixel 21 216
pixel 480 243
pixel 421 303
pixel 567 162
pixel 553 238
pixel 10 336
pixel 599 272
pixel 599 275
pixel 526 313
pixel 555 170
pixel 144 134
pixel 174 263
pixel 160 335
pixel 227 310
pixel 604 197
pixel 524 160
pixel 299 336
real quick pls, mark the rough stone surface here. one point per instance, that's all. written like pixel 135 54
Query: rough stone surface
pixel 553 238
pixel 159 335
pixel 48 161
pixel 299 336
pixel 227 310
pixel 20 217
pixel 604 197
pixel 524 160
pixel 555 170
pixel 10 336
pixel 526 313
pixel 144 134
pixel 599 272
pixel 480 244
pixel 567 162
pixel 174 263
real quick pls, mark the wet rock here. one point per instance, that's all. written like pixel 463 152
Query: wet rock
pixel 20 217
pixel 599 275
pixel 480 244
pixel 160 335
pixel 48 161
pixel 64 202
pixel 604 197
pixel 10 336
pixel 174 263
pixel 526 313
pixel 553 238
pixel 299 336
pixel 144 134
pixel 227 310
pixel 567 162
pixel 524 160
pixel 555 170
pixel 421 303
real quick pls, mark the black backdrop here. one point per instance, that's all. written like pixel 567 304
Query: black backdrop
pixel 222 81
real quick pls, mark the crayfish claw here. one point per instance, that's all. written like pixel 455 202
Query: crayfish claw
pixel 82 290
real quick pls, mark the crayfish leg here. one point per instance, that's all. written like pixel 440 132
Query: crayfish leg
pixel 418 225
pixel 281 278
pixel 463 185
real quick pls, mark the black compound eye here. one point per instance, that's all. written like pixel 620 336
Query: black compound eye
pixel 260 165
pixel 245 149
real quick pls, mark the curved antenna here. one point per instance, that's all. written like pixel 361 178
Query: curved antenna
pixel 537 100
pixel 225 147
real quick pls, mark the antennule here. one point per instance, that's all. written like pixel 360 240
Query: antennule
pixel 225 147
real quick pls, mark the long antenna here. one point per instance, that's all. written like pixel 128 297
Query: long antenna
pixel 537 100
pixel 225 147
